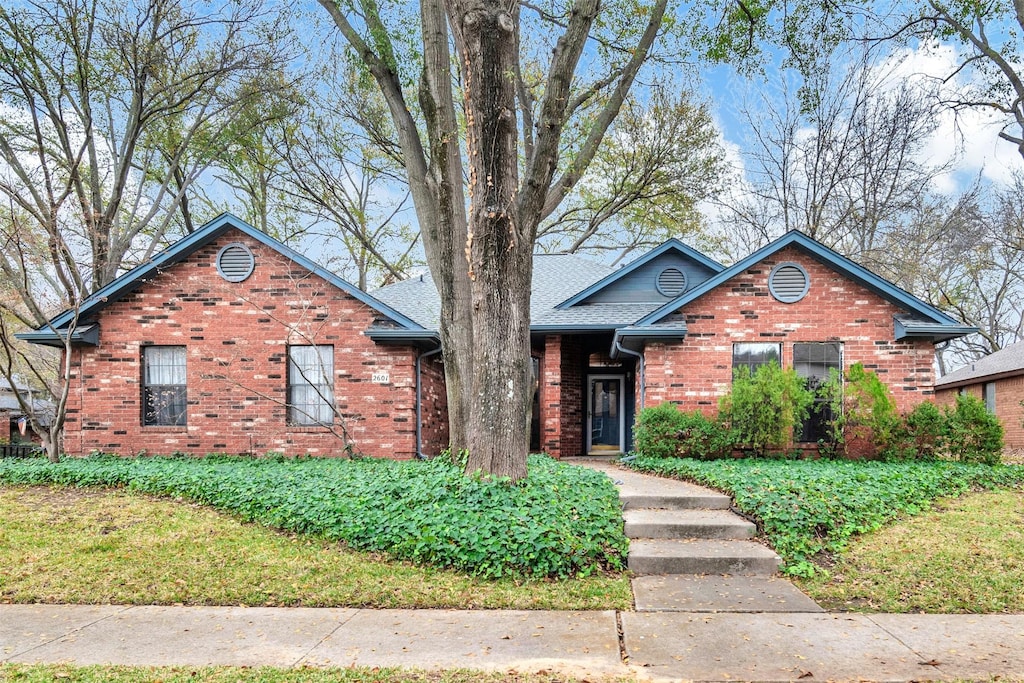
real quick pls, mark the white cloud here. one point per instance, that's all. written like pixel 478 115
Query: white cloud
pixel 968 140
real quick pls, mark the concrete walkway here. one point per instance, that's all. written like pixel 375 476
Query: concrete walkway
pixel 666 646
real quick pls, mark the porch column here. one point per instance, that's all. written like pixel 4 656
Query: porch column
pixel 551 397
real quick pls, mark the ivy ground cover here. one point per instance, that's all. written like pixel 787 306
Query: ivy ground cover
pixel 560 521
pixel 806 507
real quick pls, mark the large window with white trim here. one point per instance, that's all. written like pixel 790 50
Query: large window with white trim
pixel 311 385
pixel 164 386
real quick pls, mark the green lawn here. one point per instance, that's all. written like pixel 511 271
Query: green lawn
pixel 561 521
pixel 94 546
pixel 965 555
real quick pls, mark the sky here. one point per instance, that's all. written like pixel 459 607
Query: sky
pixel 968 141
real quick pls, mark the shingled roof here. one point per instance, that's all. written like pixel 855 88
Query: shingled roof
pixel 555 277
pixel 1006 362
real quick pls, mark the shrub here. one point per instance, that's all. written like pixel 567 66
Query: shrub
pixel 559 521
pixel 762 409
pixel 663 431
pixel 657 430
pixel 972 433
pixel 865 420
pixel 920 434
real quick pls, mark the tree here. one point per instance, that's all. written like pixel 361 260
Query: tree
pixel 842 162
pixel 990 32
pixel 479 235
pixel 660 160
pixel 109 112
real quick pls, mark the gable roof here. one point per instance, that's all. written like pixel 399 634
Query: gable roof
pixel 1007 361
pixel 885 289
pixel 181 250
pixel 671 244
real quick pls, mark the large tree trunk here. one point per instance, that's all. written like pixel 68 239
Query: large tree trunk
pixel 498 252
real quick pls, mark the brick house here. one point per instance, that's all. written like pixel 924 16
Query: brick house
pixel 997 379
pixel 229 341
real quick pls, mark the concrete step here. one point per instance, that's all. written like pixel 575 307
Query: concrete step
pixel 708 500
pixel 687 524
pixel 701 556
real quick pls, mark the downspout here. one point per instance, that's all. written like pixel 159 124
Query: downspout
pixel 619 348
pixel 419 402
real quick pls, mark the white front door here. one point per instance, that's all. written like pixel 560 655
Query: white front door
pixel 606 415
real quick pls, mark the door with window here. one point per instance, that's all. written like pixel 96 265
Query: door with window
pixel 606 427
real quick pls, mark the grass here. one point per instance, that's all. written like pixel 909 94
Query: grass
pixel 965 555
pixel 560 521
pixel 96 546
pixel 46 673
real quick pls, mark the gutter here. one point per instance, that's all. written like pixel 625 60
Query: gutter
pixel 619 348
pixel 419 402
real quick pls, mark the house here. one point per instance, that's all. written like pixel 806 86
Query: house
pixel 229 341
pixel 12 415
pixel 998 379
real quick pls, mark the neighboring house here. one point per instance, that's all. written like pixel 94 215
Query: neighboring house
pixel 228 341
pixel 997 379
pixel 12 422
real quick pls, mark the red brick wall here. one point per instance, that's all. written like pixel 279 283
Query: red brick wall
pixel 434 406
pixel 572 398
pixel 1009 394
pixel 236 338
pixel 695 372
pixel 561 400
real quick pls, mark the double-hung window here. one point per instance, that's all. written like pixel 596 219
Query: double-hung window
pixel 164 390
pixel 310 385
pixel 752 355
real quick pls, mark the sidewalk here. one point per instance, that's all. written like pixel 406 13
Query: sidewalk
pixel 659 645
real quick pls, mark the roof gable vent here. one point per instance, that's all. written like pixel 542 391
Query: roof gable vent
pixel 671 282
pixel 788 282
pixel 235 262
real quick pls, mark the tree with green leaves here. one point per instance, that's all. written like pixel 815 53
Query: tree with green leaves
pixel 493 138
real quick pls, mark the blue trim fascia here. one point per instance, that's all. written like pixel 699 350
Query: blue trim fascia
pixel 602 327
pixel 84 335
pixel 668 245
pixel 823 254
pixel 625 335
pixel 191 243
pixel 934 331
pixel 393 336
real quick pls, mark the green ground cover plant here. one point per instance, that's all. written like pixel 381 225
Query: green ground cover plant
pixel 110 546
pixel 965 555
pixel 807 507
pixel 46 673
pixel 561 521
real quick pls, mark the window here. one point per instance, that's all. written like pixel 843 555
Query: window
pixel 754 355
pixel 164 394
pixel 311 385
pixel 988 391
pixel 814 362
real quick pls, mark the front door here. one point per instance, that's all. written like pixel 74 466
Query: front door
pixel 606 426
